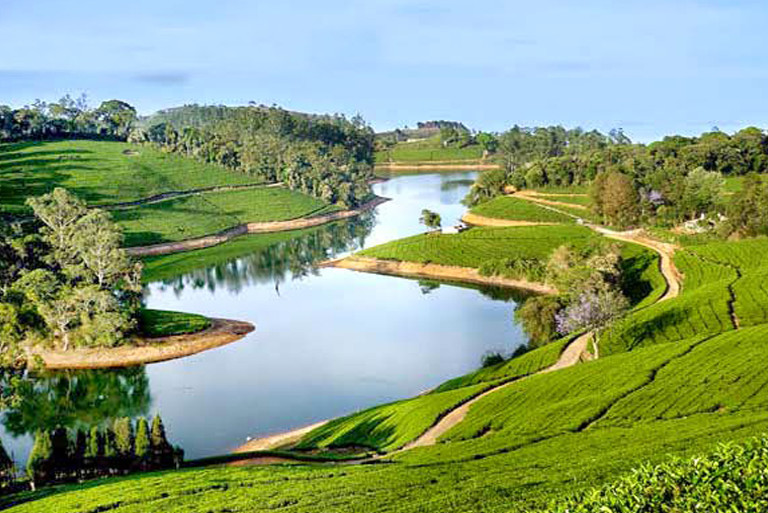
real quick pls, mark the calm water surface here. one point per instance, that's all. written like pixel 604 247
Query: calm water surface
pixel 327 343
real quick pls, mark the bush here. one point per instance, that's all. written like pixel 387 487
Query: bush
pixel 734 478
pixel 491 358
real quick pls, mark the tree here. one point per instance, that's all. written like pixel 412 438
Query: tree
pixel 702 191
pixel 537 316
pixel 123 430
pixel 143 444
pixel 39 464
pixel 118 117
pixel 430 219
pixel 748 212
pixel 487 141
pixel 615 198
pixel 94 448
pixel 60 211
pixel 158 441
pixel 97 241
pixel 591 310
pixel 6 465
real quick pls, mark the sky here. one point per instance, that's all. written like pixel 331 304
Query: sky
pixel 650 67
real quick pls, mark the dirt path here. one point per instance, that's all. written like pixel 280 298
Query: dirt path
pixel 573 354
pixel 436 271
pixel 666 251
pixel 479 220
pixel 166 248
pixel 190 192
pixel 221 332
pixel 541 198
pixel 278 440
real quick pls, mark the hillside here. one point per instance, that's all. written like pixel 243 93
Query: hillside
pixel 155 196
pixel 429 150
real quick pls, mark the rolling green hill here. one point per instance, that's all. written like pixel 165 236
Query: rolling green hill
pixel 175 197
pixel 428 150
pixel 673 378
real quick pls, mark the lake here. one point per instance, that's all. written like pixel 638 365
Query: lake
pixel 327 342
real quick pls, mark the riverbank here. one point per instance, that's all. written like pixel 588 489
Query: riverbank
pixel 474 165
pixel 433 271
pixel 167 248
pixel 275 441
pixel 145 350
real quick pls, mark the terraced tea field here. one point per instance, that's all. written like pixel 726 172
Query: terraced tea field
pixel 101 172
pixel 507 207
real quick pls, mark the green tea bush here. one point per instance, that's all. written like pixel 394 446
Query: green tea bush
pixel 734 479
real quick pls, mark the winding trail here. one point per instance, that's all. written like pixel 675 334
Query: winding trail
pixel 576 351
pixel 573 354
pixel 542 198
pixel 158 198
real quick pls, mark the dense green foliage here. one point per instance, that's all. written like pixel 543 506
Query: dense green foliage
pixel 65 281
pixel 62 455
pixel 506 207
pixel 328 157
pixel 161 323
pixel 66 118
pixel 733 478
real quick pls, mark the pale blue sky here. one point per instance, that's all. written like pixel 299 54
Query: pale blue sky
pixel 652 67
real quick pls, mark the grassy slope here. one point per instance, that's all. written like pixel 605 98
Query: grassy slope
pixel 162 323
pixel 428 150
pixel 540 437
pixel 473 247
pixel 105 172
pixel 506 207
pixel 390 426
pixel 538 446
pixel 204 214
pixel 100 173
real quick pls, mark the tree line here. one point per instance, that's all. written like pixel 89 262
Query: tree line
pixel 663 183
pixel 67 118
pixel 65 279
pixel 328 157
pixel 62 455
pixel 521 151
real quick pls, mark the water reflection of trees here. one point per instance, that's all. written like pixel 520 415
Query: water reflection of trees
pixel 76 399
pixel 293 258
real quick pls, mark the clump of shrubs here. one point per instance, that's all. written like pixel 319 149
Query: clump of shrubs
pixel 733 478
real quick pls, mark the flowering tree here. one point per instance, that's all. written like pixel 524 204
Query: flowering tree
pixel 591 310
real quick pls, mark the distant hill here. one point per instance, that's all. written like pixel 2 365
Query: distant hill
pixel 423 130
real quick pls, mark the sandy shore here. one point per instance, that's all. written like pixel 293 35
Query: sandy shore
pixel 250 228
pixel 278 440
pixel 479 220
pixel 435 271
pixel 221 332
